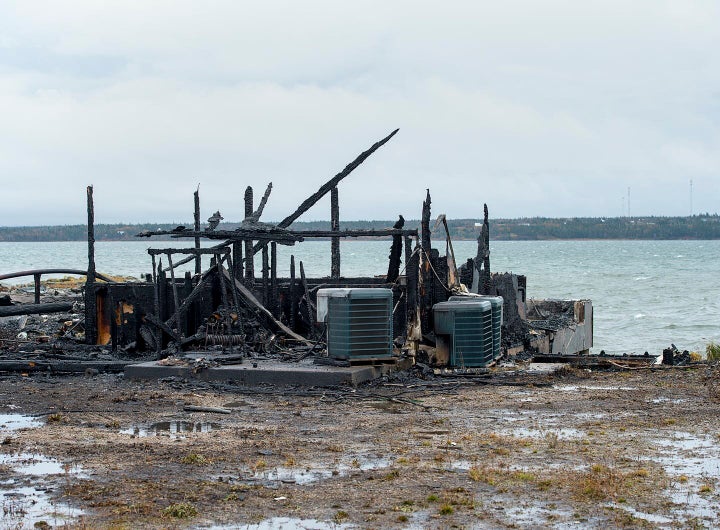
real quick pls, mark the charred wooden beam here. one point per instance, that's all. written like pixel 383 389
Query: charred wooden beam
pixel 265 277
pixel 196 216
pixel 253 302
pixel 36 280
pixel 35 309
pixel 249 252
pixel 291 290
pixel 33 272
pixel 381 232
pixel 254 217
pixel 259 233
pixel 330 184
pixel 90 303
pixel 194 251
pixel 156 304
pixel 176 296
pixel 395 253
pixel 63 366
pixel 308 302
pixel 237 260
pixel 426 275
pixel 273 280
pixel 335 227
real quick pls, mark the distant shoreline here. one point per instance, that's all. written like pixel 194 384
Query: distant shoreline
pixel 697 227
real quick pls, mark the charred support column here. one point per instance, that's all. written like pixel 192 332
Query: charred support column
pixel 426 280
pixel 273 280
pixel 249 255
pixel 196 214
pixel 482 260
pixel 292 293
pixel 90 303
pixel 36 278
pixel 237 270
pixel 265 282
pixel 395 253
pixel 156 304
pixel 335 241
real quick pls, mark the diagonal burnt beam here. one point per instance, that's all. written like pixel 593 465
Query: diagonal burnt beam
pixel 329 185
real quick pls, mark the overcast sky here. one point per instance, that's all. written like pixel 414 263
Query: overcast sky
pixel 539 108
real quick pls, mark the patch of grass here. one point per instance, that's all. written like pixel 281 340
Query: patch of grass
pixel 402 519
pixel 55 418
pixel 712 352
pixel 432 498
pixel 392 475
pixel 705 488
pixel 340 516
pixel 180 510
pixel 446 509
pixel 195 459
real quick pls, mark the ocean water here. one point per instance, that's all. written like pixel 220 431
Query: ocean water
pixel 646 294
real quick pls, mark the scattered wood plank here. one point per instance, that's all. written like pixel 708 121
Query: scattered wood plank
pixel 34 309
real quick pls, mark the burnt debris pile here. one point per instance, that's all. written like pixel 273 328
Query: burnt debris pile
pixel 437 312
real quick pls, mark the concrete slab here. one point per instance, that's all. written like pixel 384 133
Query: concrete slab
pixel 259 372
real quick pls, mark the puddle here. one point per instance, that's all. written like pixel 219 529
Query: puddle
pixel 562 434
pixel 286 523
pixel 24 507
pixel 38 465
pixel 172 428
pixel 668 400
pixel 303 475
pixel 697 458
pixel 23 504
pixel 649 517
pixel 13 422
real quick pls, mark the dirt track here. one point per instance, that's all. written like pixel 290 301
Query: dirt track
pixel 611 449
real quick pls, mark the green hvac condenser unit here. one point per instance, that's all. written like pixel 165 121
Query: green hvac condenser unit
pixel 359 322
pixel 465 330
pixel 497 316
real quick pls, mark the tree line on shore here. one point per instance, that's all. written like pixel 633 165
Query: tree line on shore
pixel 705 226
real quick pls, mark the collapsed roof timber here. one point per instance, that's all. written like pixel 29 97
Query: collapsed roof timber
pixel 432 311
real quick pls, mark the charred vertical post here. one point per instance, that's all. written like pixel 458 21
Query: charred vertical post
pixel 224 297
pixel 426 280
pixel 156 305
pixel 482 260
pixel 412 275
pixel 408 252
pixel 36 278
pixel 233 289
pixel 273 279
pixel 308 303
pixel 291 291
pixel 335 227
pixel 265 281
pixel 249 254
pixel 237 260
pixel 176 296
pixel 90 302
pixel 395 253
pixel 196 216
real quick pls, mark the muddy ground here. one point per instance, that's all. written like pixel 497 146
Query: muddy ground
pixel 636 448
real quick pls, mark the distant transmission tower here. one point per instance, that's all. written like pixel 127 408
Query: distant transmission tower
pixel 628 202
pixel 691 204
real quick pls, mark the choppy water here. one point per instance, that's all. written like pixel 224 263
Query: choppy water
pixel 646 294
